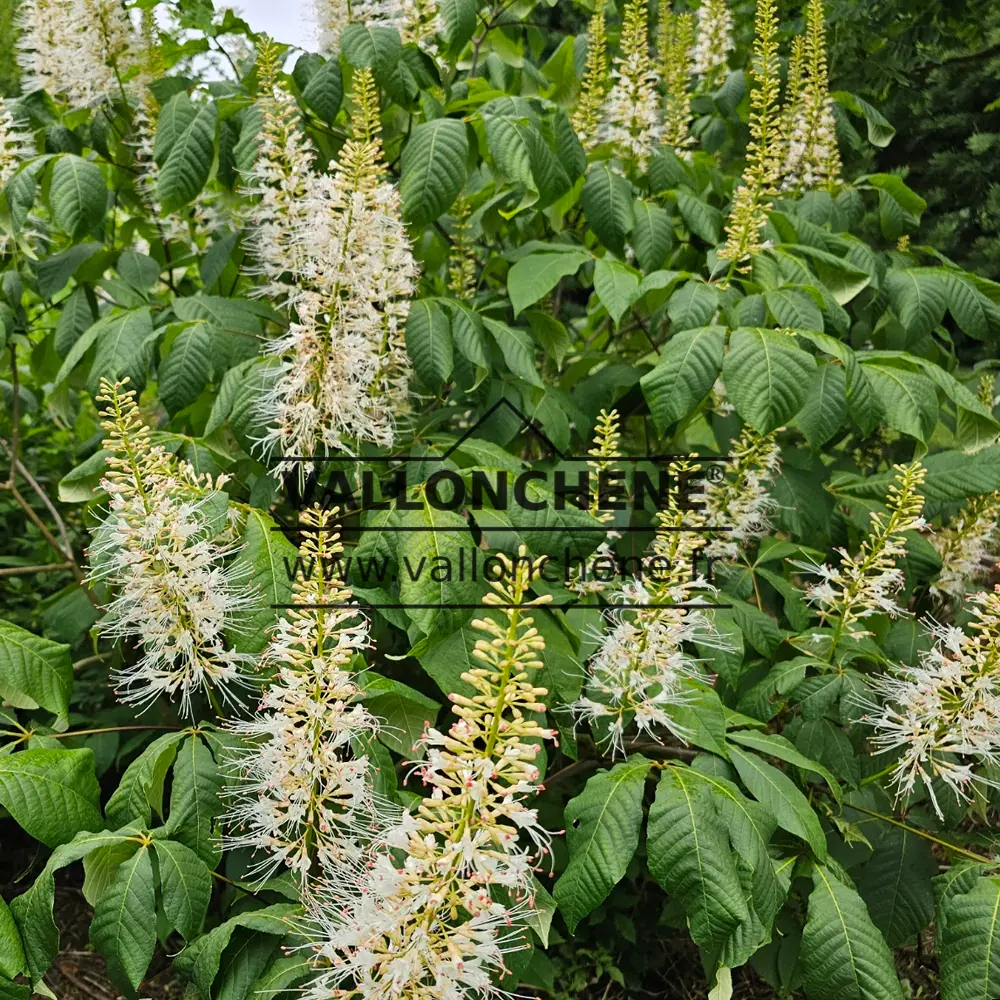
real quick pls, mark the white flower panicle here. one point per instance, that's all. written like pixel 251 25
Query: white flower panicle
pixel 866 584
pixel 415 20
pixel 334 251
pixel 943 715
pixel 15 143
pixel 632 120
pixel 740 500
pixel 304 792
pixel 968 546
pixel 76 49
pixel 812 158
pixel 434 910
pixel 159 551
pixel 713 39
pixel 641 669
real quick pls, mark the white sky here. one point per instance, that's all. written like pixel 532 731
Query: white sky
pixel 288 21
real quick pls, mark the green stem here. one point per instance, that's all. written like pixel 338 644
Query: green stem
pixel 916 831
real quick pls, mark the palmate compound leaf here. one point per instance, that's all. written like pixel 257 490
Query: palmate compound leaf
pixel 843 956
pixel 689 855
pixel 767 376
pixel 602 833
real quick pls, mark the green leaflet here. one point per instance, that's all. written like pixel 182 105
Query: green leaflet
pixel 843 956
pixel 689 855
pixel 121 929
pixel 433 168
pixel 767 376
pixel 602 833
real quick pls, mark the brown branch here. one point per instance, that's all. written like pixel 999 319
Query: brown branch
pixel 26 570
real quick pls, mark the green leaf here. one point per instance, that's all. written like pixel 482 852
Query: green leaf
pixel 843 956
pixel 175 117
pixel 429 560
pixel 774 790
pixel 52 794
pixel 375 47
pixel 189 161
pixel 693 305
pixel 615 285
pixel 767 376
pixel 826 404
pixel 11 949
pixel 894 186
pixel 194 799
pixel 701 219
pixel 458 21
pixel 534 276
pixel 602 833
pixel 123 928
pixel 908 400
pixel 141 787
pixel 325 90
pixel 794 308
pixel 606 200
pixel 518 350
pixel 33 909
pixel 776 745
pixel 896 883
pixel 689 855
pixel 404 711
pixel 186 885
pixel 919 297
pixel 951 476
pixel 652 235
pixel 432 169
pixel 263 557
pixel 100 866
pixel 78 196
pixel 428 342
pixel 880 130
pixel 75 317
pixel 185 371
pixel 35 667
pixel 685 372
pixel 969 943
pixel 281 974
pixel 122 349
pixel 968 306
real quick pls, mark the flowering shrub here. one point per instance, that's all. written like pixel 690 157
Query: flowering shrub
pixel 303 695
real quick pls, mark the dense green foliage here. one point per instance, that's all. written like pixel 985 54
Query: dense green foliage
pixel 731 802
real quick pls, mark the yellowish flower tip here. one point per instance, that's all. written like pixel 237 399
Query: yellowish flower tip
pixel 268 64
pixel 461 258
pixel 752 197
pixel 607 442
pixel 903 243
pixel 594 85
pixel 675 38
pixel 812 157
pixel 987 390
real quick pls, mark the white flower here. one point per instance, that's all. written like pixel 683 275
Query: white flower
pixel 632 120
pixel 77 49
pixel 432 909
pixel 867 584
pixel 335 253
pixel 943 715
pixel 713 38
pixel 304 795
pixel 175 591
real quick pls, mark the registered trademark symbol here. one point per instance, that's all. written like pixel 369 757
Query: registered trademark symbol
pixel 714 474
